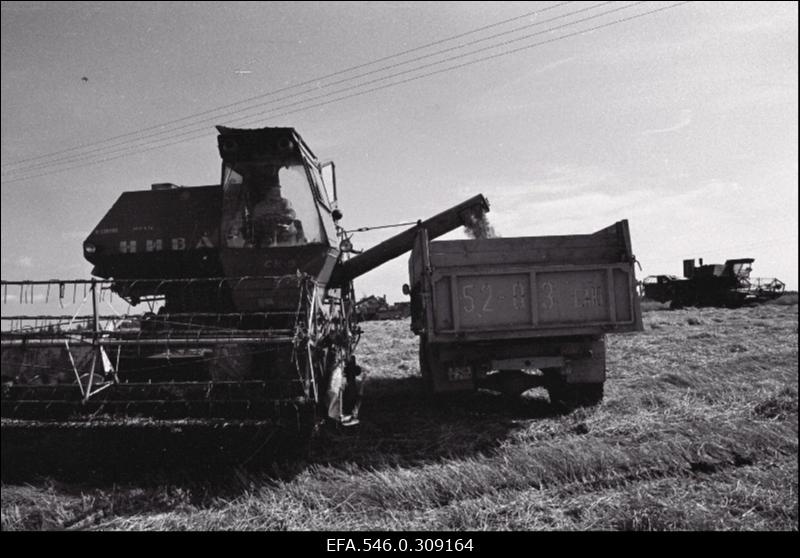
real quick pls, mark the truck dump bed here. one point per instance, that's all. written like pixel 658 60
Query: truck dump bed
pixel 549 286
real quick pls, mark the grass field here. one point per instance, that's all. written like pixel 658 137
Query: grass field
pixel 698 431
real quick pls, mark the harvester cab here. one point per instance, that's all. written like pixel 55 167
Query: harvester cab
pixel 271 214
pixel 273 193
pixel 736 271
pixel 739 270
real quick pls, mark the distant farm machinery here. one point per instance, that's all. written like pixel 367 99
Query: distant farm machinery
pixel 724 285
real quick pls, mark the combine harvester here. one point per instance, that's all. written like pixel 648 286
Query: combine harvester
pixel 724 285
pixel 249 331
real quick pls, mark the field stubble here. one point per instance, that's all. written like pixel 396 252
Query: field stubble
pixel 698 430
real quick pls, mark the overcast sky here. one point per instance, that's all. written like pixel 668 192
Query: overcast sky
pixel 683 121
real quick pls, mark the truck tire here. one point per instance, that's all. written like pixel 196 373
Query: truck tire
pixel 568 397
pixel 430 365
pixel 425 363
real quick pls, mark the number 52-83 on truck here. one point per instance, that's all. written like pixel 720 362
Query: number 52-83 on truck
pixel 510 314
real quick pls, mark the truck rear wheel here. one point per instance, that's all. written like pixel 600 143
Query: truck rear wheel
pixel 568 397
pixel 426 361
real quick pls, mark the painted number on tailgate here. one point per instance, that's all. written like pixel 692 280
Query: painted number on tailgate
pixel 484 298
pixel 518 295
pixel 568 296
pixel 493 300
pixel 547 299
pixel 582 297
pixel 588 296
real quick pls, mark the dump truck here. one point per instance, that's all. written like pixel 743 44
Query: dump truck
pixel 510 314
pixel 722 285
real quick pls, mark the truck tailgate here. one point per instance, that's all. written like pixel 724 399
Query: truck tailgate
pixel 530 286
pixel 534 298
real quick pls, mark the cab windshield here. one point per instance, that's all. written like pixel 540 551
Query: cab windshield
pixel 742 270
pixel 267 206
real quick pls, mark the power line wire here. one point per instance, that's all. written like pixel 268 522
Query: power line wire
pixel 296 85
pixel 116 147
pixel 204 131
pixel 414 78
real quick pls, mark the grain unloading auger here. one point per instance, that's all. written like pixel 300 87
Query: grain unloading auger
pixel 249 302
